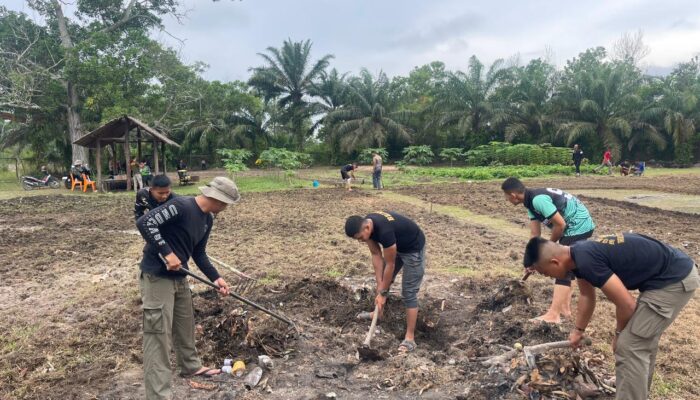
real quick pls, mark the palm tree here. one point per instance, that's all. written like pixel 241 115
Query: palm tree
pixel 465 99
pixel 252 124
pixel 331 90
pixel 526 115
pixel 679 101
pixel 288 77
pixel 602 103
pixel 370 118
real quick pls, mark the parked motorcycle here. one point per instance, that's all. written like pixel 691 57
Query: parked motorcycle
pixel 31 183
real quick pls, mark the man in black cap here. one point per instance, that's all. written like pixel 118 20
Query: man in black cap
pixel 175 232
pixel 402 247
pixel 665 277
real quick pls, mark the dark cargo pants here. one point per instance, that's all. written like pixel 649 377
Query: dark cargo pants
pixel 168 318
pixel 639 341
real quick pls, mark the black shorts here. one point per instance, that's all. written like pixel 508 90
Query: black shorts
pixel 344 175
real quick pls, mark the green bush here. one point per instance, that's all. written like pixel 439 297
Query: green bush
pixel 365 156
pixel 484 173
pixel 234 159
pixel 418 155
pixel 451 154
pixel 498 153
pixel 284 159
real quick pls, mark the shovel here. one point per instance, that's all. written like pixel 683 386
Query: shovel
pixel 365 351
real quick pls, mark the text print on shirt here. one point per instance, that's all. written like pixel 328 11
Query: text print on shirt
pixel 559 192
pixel 385 215
pixel 612 239
pixel 158 219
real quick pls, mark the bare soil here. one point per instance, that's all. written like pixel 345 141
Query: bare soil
pixel 71 312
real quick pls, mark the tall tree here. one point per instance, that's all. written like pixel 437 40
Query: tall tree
pixel 465 101
pixel 526 115
pixel 95 23
pixel 331 90
pixel 288 77
pixel 371 117
pixel 599 100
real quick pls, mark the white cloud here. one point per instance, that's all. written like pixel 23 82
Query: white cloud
pixel 397 35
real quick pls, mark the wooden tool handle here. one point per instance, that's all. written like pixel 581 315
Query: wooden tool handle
pixel 368 339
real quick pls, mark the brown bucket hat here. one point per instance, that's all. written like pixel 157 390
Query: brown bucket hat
pixel 222 189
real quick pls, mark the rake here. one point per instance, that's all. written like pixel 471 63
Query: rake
pixel 244 282
pixel 235 295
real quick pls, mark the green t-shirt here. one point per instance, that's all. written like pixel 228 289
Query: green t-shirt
pixel 578 219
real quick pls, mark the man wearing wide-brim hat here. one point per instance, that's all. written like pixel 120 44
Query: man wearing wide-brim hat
pixel 177 231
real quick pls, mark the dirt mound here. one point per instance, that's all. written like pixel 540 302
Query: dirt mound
pixel 511 293
pixel 325 299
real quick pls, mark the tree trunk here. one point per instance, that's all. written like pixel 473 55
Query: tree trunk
pixel 74 125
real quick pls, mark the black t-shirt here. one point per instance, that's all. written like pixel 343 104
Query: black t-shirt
pixel 578 155
pixel 347 168
pixel 177 226
pixel 145 202
pixel 639 261
pixel 391 228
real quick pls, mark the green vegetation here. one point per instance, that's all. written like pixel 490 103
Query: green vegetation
pixel 418 155
pixel 485 173
pixel 451 154
pixel 365 156
pixel 234 160
pixel 500 153
pixel 79 70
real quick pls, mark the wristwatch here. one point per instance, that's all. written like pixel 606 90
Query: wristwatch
pixel 384 292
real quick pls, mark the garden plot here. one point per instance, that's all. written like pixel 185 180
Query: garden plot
pixel 72 315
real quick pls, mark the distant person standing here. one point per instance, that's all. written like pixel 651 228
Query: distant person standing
pixel 377 170
pixel 577 156
pixel 136 175
pixel 181 165
pixel 145 173
pixel 347 173
pixel 204 164
pixel 607 162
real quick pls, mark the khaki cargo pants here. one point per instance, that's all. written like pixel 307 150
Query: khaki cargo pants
pixel 167 315
pixel 639 341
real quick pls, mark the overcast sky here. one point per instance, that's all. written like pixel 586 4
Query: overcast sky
pixel 397 35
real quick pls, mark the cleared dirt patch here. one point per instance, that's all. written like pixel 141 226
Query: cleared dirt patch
pixel 70 302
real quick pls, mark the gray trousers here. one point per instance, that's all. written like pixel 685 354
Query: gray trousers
pixel 168 317
pixel 639 341
pixel 413 266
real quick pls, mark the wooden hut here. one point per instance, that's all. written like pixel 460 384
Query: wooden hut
pixel 126 131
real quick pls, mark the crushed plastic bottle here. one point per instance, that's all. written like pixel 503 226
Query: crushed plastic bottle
pixel 252 379
pixel 265 362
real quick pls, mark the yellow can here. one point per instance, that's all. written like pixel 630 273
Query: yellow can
pixel 238 368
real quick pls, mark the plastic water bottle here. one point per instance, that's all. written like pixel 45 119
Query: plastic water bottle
pixel 252 379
